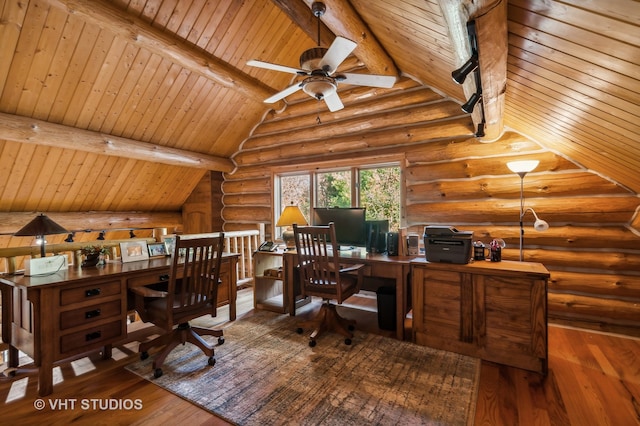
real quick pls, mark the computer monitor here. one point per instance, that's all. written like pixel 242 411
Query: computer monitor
pixel 349 224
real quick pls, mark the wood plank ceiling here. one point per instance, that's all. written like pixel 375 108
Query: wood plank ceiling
pixel 159 90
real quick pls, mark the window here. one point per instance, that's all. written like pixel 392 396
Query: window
pixel 377 188
pixel 380 194
pixel 294 189
pixel 333 189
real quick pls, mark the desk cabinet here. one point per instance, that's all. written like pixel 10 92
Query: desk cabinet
pixel 494 311
pixel 268 290
pixel 88 316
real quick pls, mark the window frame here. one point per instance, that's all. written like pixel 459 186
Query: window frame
pixel 313 172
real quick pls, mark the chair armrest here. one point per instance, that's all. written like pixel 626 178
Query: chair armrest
pixel 148 292
pixel 352 268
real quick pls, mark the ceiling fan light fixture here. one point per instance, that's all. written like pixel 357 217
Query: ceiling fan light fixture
pixel 319 86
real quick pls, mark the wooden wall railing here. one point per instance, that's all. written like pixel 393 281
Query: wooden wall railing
pixel 245 243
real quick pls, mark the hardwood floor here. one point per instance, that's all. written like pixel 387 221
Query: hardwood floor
pixel 593 379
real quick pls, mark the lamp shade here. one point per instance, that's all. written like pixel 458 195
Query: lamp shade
pixel 290 215
pixel 540 225
pixel 40 226
pixel 522 166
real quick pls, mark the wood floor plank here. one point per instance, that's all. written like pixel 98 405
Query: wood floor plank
pixel 526 390
pixel 553 400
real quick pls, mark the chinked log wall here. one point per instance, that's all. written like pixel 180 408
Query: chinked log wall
pixel 452 179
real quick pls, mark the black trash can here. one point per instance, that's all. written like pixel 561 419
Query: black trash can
pixel 386 296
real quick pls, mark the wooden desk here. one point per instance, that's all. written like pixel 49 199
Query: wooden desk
pixel 79 310
pixel 376 265
pixel 496 311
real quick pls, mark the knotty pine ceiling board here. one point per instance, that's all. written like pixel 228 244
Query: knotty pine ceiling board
pixel 416 36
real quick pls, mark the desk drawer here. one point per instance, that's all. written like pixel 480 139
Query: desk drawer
pixel 91 337
pixel 90 292
pixel 89 314
pixel 147 279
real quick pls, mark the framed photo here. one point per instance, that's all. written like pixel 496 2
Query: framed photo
pixel 157 249
pixel 170 242
pixel 134 251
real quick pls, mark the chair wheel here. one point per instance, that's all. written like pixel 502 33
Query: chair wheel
pixel 211 361
pixel 312 343
pixel 157 372
pixel 144 355
pixel 347 341
pixel 220 340
pixel 299 330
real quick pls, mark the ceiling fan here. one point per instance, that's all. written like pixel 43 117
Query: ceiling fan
pixel 318 65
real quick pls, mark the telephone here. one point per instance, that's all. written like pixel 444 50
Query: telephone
pixel 268 246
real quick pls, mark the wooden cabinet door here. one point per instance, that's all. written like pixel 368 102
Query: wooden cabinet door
pixel 437 310
pixel 510 320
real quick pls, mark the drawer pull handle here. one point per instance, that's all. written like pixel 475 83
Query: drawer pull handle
pixel 92 292
pixel 93 336
pixel 164 277
pixel 92 314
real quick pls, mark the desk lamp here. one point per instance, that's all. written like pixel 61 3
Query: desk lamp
pixel 290 215
pixel 40 227
pixel 521 168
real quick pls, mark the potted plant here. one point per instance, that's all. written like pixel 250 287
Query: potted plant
pixel 93 255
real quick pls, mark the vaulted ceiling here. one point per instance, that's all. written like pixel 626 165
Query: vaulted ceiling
pixel 124 104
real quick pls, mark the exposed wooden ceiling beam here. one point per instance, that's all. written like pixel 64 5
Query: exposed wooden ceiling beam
pixel 491 28
pixel 342 19
pixel 29 130
pixel 189 56
pixel 302 16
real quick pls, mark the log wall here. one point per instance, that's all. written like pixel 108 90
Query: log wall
pixel 450 178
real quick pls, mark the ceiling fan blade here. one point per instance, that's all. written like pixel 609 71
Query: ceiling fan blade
pixel 333 102
pixel 284 93
pixel 338 52
pixel 275 67
pixel 385 81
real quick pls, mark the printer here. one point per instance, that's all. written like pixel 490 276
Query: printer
pixel 447 244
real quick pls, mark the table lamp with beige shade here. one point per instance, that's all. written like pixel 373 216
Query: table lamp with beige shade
pixel 290 215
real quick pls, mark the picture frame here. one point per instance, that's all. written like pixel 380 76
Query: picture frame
pixel 170 242
pixel 157 250
pixel 134 251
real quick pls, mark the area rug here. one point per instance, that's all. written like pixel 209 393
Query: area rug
pixel 267 374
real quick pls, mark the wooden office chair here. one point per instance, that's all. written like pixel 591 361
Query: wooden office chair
pixel 322 276
pixel 192 291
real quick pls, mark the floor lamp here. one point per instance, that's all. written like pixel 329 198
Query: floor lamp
pixel 521 168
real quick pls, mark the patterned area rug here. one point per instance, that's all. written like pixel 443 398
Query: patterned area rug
pixel 266 374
